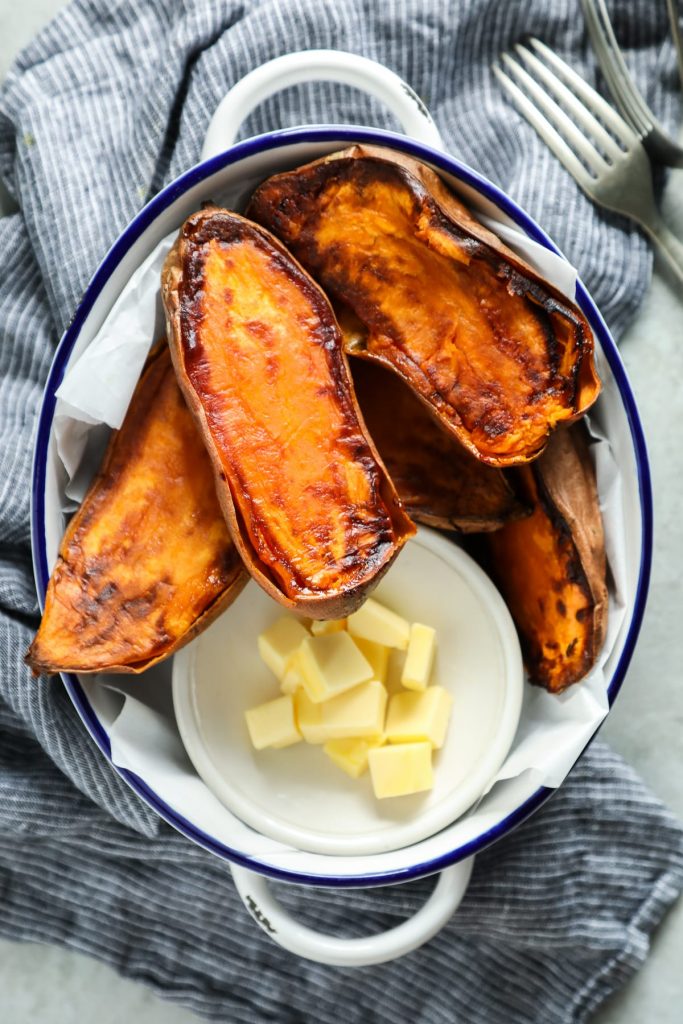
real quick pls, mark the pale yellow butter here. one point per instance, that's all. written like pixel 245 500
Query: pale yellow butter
pixel 324 626
pixel 273 724
pixel 356 713
pixel 331 664
pixel 292 680
pixel 419 657
pixel 376 654
pixel 277 644
pixel 401 770
pixel 352 755
pixel 419 716
pixel 374 622
pixel 395 671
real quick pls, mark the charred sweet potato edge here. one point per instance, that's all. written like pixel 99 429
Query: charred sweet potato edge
pixel 426 463
pixel 124 439
pixel 448 215
pixel 177 268
pixel 562 486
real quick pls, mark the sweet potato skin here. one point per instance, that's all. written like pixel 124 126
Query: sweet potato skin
pixel 258 354
pixel 551 567
pixel 438 481
pixel 146 563
pixel 497 353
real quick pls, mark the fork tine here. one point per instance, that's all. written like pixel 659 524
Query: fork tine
pixel 614 67
pixel 574 107
pixel 590 97
pixel 557 116
pixel 677 33
pixel 550 136
pixel 608 61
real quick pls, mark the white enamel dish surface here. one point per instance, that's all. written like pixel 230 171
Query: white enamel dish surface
pixel 298 795
pixel 175 790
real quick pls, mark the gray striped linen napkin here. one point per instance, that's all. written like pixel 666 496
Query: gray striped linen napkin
pixel 106 106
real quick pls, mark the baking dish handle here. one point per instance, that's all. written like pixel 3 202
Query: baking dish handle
pixel 372 949
pixel 318 65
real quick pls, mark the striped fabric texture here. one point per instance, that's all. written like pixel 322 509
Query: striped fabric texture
pixel 106 106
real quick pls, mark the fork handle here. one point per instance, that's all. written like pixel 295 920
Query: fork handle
pixel 669 246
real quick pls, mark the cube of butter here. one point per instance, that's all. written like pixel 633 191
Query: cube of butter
pixel 331 664
pixel 321 627
pixel 292 680
pixel 273 724
pixel 373 621
pixel 278 643
pixel 352 755
pixel 419 716
pixel 401 770
pixel 356 713
pixel 419 657
pixel 376 654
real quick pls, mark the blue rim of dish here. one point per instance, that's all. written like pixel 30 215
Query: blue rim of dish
pixel 192 177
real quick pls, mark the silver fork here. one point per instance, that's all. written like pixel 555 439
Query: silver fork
pixel 627 97
pixel 610 166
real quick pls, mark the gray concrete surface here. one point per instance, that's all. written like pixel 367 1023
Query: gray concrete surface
pixel 43 985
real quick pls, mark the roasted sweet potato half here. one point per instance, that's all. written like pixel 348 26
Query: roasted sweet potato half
pixel 438 481
pixel 146 563
pixel 258 354
pixel 550 567
pixel 497 352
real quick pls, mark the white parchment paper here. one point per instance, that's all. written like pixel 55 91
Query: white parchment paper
pixel 97 389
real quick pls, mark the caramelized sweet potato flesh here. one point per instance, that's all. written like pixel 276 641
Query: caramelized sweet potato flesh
pixel 259 353
pixel 498 354
pixel 550 567
pixel 438 481
pixel 147 560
